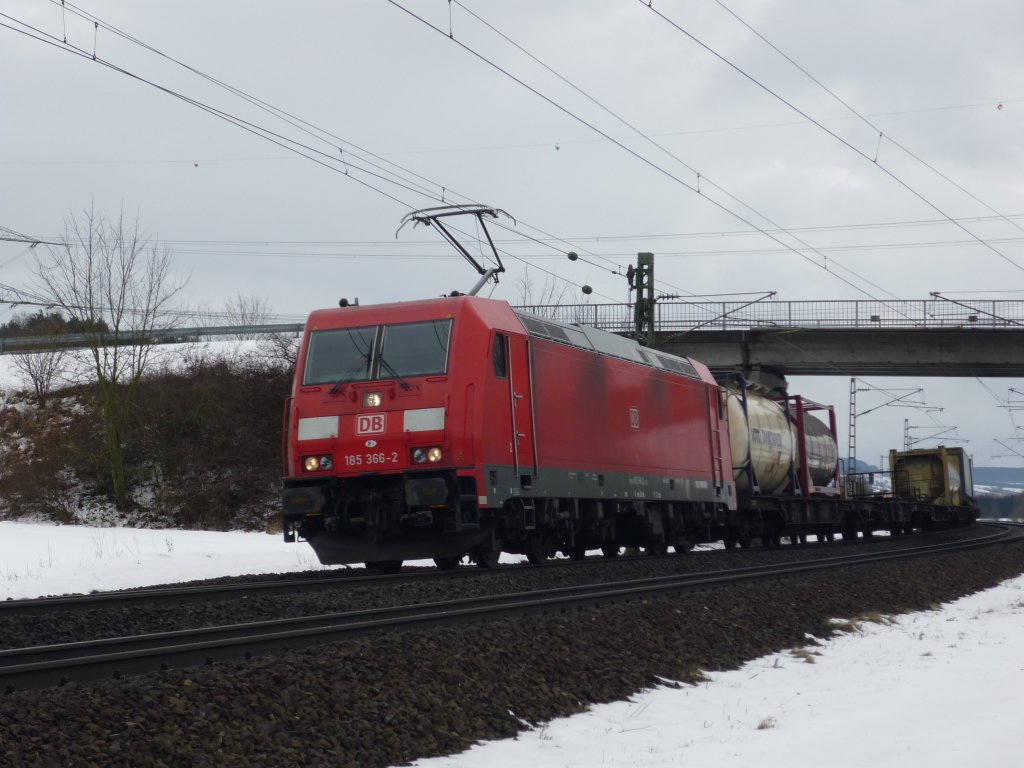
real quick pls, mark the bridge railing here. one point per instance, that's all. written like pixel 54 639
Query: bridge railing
pixel 726 315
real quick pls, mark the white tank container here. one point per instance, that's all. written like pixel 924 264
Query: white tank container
pixel 767 436
pixel 821 451
pixel 764 434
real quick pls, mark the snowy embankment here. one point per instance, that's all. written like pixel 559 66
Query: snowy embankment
pixel 939 689
pixel 39 559
pixel 935 689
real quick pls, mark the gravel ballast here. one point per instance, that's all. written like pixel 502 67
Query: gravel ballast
pixel 388 699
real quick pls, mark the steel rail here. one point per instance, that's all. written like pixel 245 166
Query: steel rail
pixel 220 592
pixel 43 666
pixel 202 593
pixel 183 595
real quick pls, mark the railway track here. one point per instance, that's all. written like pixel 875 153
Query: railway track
pixel 43 666
pixel 210 593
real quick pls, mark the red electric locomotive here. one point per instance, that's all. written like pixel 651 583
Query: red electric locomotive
pixel 454 426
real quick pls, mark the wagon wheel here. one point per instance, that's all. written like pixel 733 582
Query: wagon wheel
pixel 610 550
pixel 447 563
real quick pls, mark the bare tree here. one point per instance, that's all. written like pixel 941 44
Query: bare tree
pixel 46 360
pixel 247 310
pixel 117 289
pixel 41 369
pixel 282 348
pixel 548 299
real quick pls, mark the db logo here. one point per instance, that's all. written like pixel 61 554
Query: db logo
pixel 371 423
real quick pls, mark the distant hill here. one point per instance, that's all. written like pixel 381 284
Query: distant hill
pixel 1011 478
pixel 858 467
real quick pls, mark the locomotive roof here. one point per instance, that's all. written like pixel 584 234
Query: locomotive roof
pixel 500 314
pixel 607 343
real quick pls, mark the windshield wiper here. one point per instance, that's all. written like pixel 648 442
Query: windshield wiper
pixel 361 360
pixel 394 374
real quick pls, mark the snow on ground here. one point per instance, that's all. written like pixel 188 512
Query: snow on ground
pixel 937 689
pixel 38 559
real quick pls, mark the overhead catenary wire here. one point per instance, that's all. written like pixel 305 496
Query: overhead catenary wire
pixel 530 145
pixel 309 128
pixel 881 134
pixel 292 120
pixel 574 239
pixel 324 159
pixel 834 135
pixel 668 174
pixel 641 134
pixel 295 122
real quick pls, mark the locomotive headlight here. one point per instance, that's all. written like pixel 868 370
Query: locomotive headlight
pixel 372 399
pixel 430 455
pixel 318 463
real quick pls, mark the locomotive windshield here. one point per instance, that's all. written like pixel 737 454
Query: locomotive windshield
pixel 378 352
pixel 339 356
pixel 415 349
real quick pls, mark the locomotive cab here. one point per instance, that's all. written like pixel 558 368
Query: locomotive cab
pixel 375 449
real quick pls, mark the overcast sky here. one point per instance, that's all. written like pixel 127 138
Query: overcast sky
pixel 942 79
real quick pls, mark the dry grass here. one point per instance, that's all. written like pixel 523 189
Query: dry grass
pixel 806 654
pixel 857 624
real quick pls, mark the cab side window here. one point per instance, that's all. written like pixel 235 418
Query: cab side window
pixel 500 355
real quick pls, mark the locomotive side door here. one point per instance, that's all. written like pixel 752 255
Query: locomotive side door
pixel 715 423
pixel 520 385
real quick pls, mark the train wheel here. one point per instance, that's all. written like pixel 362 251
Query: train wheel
pixel 610 550
pixel 683 546
pixel 385 566
pixel 447 563
pixel 577 552
pixel 538 548
pixel 656 548
pixel 488 554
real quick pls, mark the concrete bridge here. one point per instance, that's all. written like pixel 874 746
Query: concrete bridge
pixel 935 337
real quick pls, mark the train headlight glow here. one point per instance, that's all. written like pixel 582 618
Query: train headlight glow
pixel 430 455
pixel 318 463
pixel 372 399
